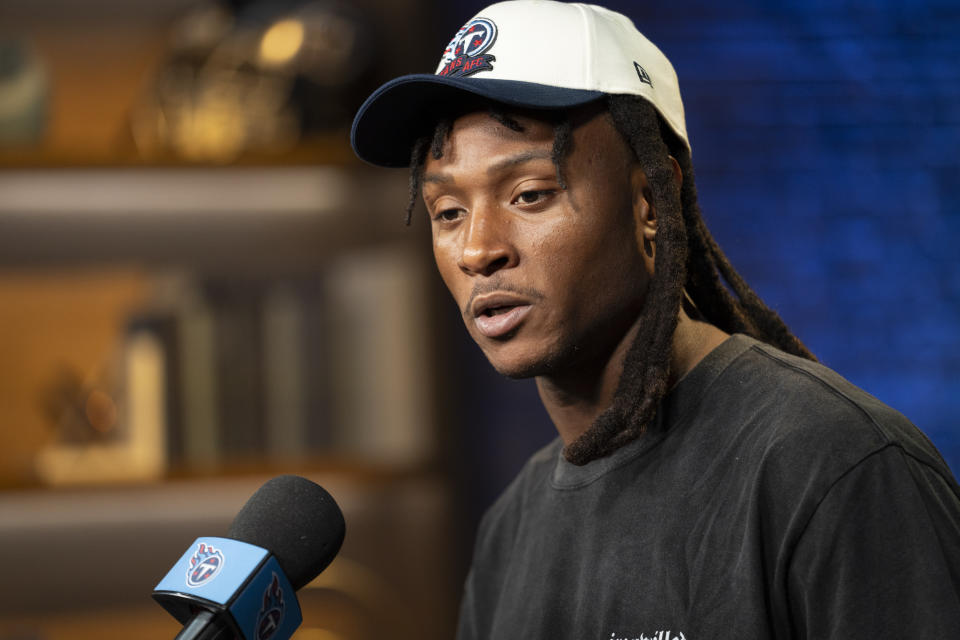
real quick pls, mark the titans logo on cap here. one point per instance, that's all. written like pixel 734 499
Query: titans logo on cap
pixel 465 53
pixel 204 565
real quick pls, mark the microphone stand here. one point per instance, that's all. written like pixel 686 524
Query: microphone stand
pixel 201 627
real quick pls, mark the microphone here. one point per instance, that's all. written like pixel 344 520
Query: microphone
pixel 242 586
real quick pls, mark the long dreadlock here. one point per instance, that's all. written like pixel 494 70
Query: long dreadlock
pixel 688 262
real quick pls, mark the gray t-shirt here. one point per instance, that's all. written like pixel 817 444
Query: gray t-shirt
pixel 770 499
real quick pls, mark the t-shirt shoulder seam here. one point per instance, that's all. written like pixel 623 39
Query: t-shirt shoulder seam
pixel 885 439
pixel 850 469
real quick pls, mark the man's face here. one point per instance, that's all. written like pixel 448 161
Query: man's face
pixel 547 279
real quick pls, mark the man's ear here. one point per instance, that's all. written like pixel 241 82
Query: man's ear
pixel 644 216
pixel 645 213
pixel 677 173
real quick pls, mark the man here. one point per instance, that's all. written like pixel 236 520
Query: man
pixel 710 480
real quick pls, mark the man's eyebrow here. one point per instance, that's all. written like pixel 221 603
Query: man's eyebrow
pixel 506 163
pixel 520 158
pixel 436 177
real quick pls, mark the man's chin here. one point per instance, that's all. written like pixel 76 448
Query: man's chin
pixel 521 366
pixel 521 373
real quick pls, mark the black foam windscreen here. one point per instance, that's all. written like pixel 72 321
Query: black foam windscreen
pixel 297 521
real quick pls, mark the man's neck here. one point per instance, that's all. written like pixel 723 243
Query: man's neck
pixel 576 399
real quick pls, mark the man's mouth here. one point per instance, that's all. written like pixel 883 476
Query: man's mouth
pixel 496 311
pixel 496 322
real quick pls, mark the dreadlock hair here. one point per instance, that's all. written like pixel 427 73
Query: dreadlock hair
pixel 688 260
pixel 690 270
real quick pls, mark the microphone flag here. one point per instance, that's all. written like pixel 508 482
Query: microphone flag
pixel 240 583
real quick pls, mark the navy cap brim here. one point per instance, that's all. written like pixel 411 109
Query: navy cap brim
pixel 398 113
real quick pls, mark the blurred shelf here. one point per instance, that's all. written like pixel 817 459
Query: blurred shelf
pixel 330 149
pixel 223 218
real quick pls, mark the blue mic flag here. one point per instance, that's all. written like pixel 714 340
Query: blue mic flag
pixel 241 585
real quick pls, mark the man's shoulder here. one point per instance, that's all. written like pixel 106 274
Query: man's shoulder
pixel 798 410
pixel 814 392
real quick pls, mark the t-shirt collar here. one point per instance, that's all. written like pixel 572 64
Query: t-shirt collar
pixel 681 401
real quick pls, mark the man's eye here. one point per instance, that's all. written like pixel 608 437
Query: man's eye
pixel 533 197
pixel 447 215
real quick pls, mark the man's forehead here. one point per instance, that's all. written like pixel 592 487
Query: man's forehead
pixel 483 138
pixel 504 124
pixel 514 123
pixel 436 175
pixel 487 143
pixel 490 129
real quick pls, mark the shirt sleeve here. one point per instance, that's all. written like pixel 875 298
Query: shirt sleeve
pixel 880 557
pixel 467 622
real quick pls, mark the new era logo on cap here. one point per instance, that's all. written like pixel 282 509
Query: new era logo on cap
pixel 644 76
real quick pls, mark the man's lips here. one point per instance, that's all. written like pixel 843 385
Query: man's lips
pixel 497 314
pixel 501 323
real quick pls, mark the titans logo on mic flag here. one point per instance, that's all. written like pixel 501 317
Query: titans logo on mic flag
pixel 205 564
pixel 237 585
pixel 271 614
pixel 213 568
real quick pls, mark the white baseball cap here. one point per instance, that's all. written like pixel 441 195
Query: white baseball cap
pixel 536 54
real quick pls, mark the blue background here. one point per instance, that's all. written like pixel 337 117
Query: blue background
pixel 825 140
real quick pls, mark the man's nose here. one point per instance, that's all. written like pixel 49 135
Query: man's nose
pixel 486 244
